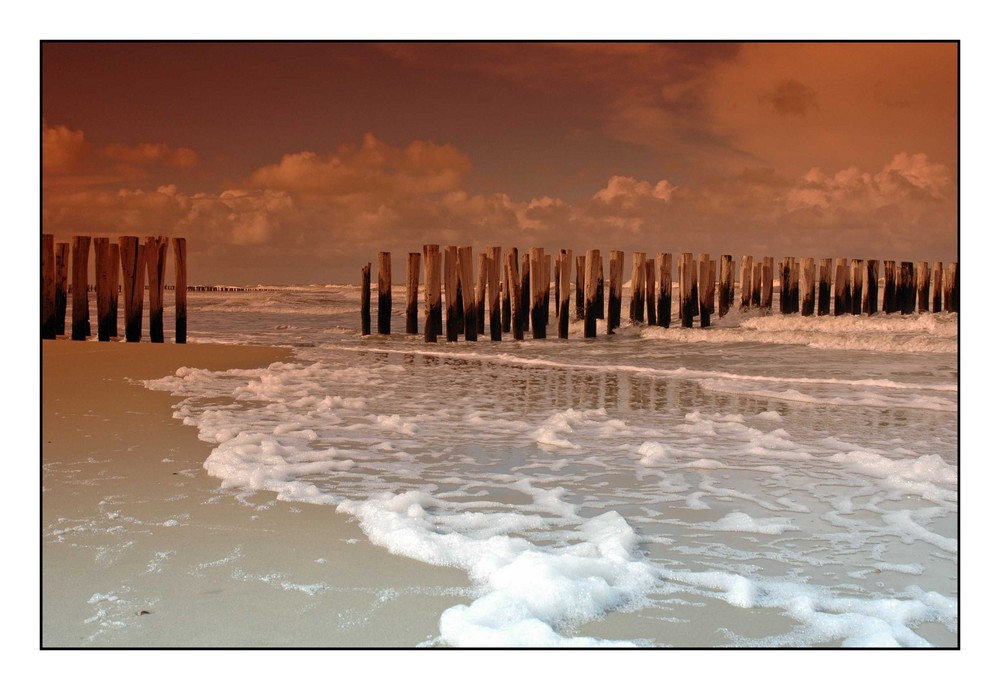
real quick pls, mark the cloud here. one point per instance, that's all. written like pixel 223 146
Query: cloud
pixel 151 154
pixel 63 149
pixel 790 97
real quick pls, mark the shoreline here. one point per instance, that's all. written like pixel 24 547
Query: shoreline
pixel 141 548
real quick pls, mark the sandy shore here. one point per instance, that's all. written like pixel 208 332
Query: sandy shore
pixel 140 548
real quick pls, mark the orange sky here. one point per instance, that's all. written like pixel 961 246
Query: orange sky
pixel 297 163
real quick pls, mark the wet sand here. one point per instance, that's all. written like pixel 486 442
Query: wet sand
pixel 140 548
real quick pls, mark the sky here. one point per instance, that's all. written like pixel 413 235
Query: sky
pixel 285 163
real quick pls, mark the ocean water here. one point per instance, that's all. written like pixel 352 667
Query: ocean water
pixel 772 481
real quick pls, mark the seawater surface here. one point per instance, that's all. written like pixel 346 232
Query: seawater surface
pixel 656 487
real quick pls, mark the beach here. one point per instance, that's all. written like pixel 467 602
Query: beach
pixel 140 548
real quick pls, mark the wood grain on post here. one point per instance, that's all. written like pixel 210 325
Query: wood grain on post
pixel 156 266
pixel 537 293
pixel 600 285
pixel 808 286
pixel 526 291
pixel 767 283
pixel 937 281
pixel 133 258
pixel 758 269
pixel 841 299
pixel 590 295
pixel 481 293
pixel 650 285
pixel 665 292
pixel 506 292
pixel 636 310
pixel 565 272
pixel 923 287
pixel 889 288
pixel 870 298
pixel 705 291
pixel 906 290
pixel 712 284
pixel 951 288
pixel 493 287
pixel 825 274
pixel 412 288
pixel 685 269
pixel 48 285
pixel 513 283
pixel 785 285
pixel 725 284
pixel 546 286
pixel 746 282
pixel 581 272
pixel 556 282
pixel 384 293
pixel 102 273
pixel 857 285
pixel 465 271
pixel 62 272
pixel 796 269
pixel 616 266
pixel 81 313
pixel 180 289
pixel 366 299
pixel 116 268
pixel 432 292
pixel 452 324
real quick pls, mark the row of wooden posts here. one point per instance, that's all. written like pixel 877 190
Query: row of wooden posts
pixel 518 299
pixel 135 261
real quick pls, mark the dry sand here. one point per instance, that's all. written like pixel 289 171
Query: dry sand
pixel 140 548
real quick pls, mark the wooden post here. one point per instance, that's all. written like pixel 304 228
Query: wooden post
pixel 452 324
pixel 412 287
pixel 712 283
pixel 546 285
pixel 650 285
pixel 637 304
pixel 600 285
pixel 870 298
pixel 526 291
pixel 796 269
pixel 841 296
pixel 156 266
pixel 537 293
pixel 590 295
pixel 133 258
pixel 62 271
pixel 923 287
pixel 512 281
pixel 384 293
pixel 936 287
pixel 746 282
pixel 493 286
pixel 116 268
pixel 951 288
pixel 558 287
pixel 564 272
pixel 766 283
pixel 616 267
pixel 857 283
pixel 481 294
pixel 906 291
pixel 581 272
pixel 468 293
pixel 808 286
pixel 666 289
pixel 102 273
pixel 889 289
pixel 506 292
pixel 81 316
pixel 432 292
pixel 825 273
pixel 180 288
pixel 725 284
pixel 685 269
pixel 704 293
pixel 758 272
pixel 366 299
pixel 48 285
pixel 785 285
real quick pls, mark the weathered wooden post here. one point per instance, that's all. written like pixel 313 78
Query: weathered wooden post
pixel 906 292
pixel 81 316
pixel 505 293
pixel 785 285
pixel 650 285
pixel 48 285
pixel 857 283
pixel 758 274
pixel 103 287
pixel 526 291
pixel 951 288
pixel 936 287
pixel 513 284
pixel 556 281
pixel 923 287
pixel 796 269
pixel 432 292
pixel 841 296
pixel 809 286
pixel 666 290
pixel 493 287
pixel 825 274
pixel 180 288
pixel 685 270
pixel 547 284
pixel 615 269
pixel 133 258
pixel 537 292
pixel 384 293
pixel 564 272
pixel 590 295
pixel 412 287
pixel 637 304
pixel 870 298
pixel 468 293
pixel 366 299
pixel 116 268
pixel 705 292
pixel 600 285
pixel 725 284
pixel 156 267
pixel 889 289
pixel 746 282
pixel 62 272
pixel 767 283
pixel 481 294
pixel 452 324
pixel 581 272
